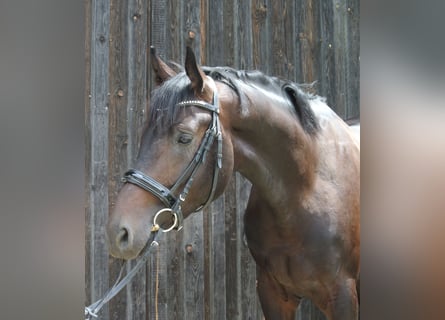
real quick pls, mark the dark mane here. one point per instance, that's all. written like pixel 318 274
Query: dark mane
pixel 287 89
pixel 162 112
pixel 177 89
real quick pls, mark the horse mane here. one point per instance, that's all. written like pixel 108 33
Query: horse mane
pixel 291 91
pixel 177 89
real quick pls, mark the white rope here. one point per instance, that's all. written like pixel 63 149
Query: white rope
pixel 92 310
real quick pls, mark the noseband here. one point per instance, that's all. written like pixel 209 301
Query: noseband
pixel 166 195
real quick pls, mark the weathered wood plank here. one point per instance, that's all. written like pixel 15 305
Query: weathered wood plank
pixel 117 132
pixel 192 26
pixel 215 50
pixel 261 46
pixel 173 24
pixel 340 53
pixel 193 267
pixel 136 19
pixel 308 41
pixel 97 126
pixel 326 60
pixel 157 26
pixel 207 232
pixel 290 39
pixel 233 290
pixel 278 58
pixel 89 284
pixel 228 33
pixel 244 51
pixel 353 63
pixel 218 260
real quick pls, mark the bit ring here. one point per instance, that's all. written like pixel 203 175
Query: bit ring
pixel 175 219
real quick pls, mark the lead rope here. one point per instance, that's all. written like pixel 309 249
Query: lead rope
pixel 92 310
pixel 157 284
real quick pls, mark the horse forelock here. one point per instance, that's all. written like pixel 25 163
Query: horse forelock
pixel 163 107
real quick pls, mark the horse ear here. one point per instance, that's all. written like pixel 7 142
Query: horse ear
pixel 194 72
pixel 162 71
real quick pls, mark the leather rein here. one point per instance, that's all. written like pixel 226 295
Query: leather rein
pixel 167 195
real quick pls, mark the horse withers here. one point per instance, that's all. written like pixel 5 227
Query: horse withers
pixel 302 220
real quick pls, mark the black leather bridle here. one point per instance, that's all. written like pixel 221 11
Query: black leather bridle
pixel 168 195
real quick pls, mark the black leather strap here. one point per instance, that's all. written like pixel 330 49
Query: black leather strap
pixel 147 183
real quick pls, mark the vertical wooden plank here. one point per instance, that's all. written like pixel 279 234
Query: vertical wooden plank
pixel 261 46
pixel 233 259
pixel 244 31
pixel 164 280
pixel 216 34
pixel 326 59
pixel 194 267
pixel 228 31
pixel 97 132
pixel 218 259
pixel 308 39
pixel 137 62
pixel 278 58
pixel 117 134
pixel 135 19
pixel 173 26
pixel 204 22
pixel 88 147
pixel 155 286
pixel 89 243
pixel 192 28
pixel 158 25
pixel 353 62
pixel 290 39
pixel 207 265
pixel 340 55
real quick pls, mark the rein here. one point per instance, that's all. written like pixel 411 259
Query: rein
pixel 167 195
pixel 93 309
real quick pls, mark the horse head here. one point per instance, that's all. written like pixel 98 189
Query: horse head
pixel 185 158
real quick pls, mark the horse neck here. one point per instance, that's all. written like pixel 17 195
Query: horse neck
pixel 271 149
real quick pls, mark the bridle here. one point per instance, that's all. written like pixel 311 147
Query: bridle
pixel 168 195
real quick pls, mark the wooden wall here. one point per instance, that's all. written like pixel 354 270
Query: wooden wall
pixel 301 40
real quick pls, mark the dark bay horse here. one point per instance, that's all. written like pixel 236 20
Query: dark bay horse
pixel 302 219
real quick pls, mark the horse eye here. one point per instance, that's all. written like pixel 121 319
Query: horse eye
pixel 185 138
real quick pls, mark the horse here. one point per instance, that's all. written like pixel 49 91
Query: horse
pixel 302 222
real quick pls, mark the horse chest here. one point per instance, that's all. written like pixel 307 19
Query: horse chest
pixel 298 253
pixel 295 273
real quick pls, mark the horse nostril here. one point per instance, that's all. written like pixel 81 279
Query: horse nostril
pixel 123 238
